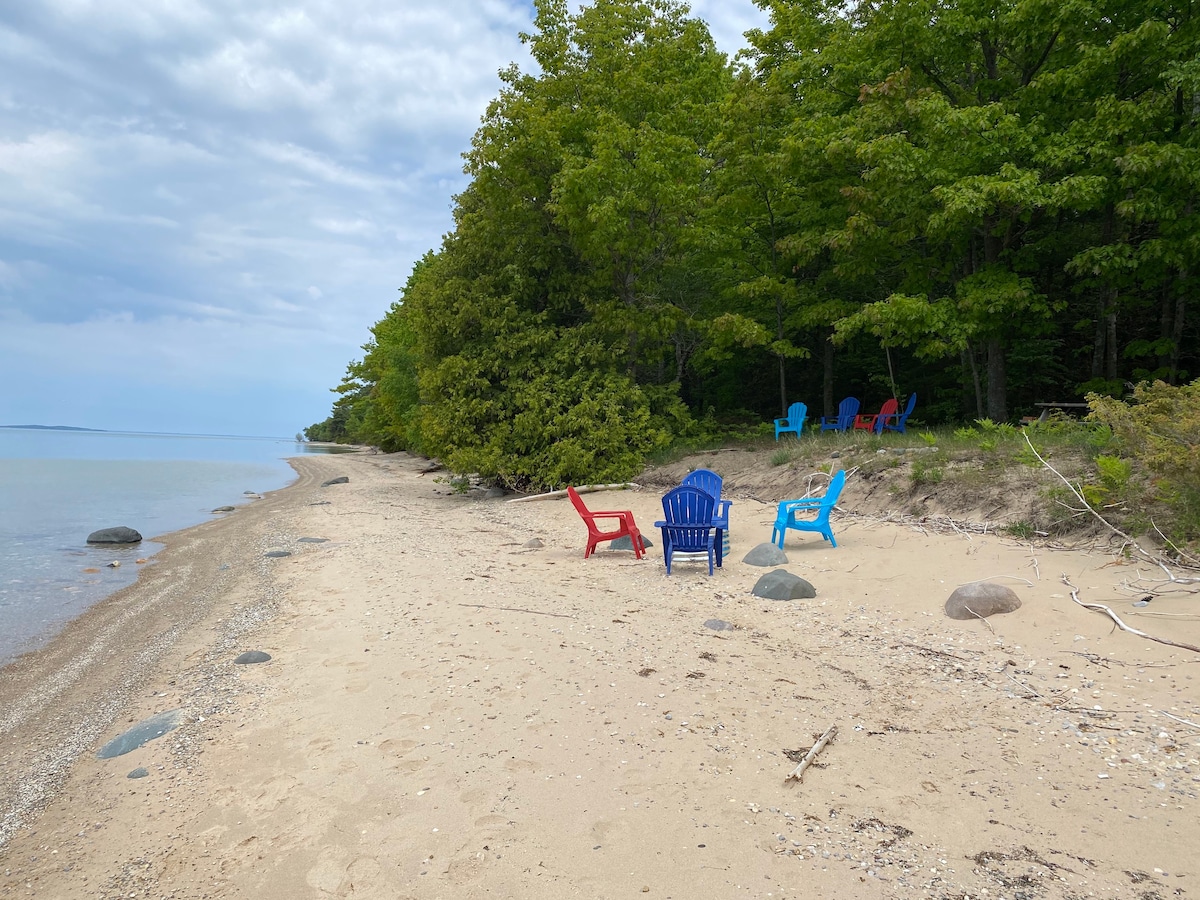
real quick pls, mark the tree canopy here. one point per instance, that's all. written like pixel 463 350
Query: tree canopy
pixel 990 202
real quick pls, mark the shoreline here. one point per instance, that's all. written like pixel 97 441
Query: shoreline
pixel 56 700
pixel 453 710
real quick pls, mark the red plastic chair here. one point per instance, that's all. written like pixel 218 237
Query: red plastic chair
pixel 626 527
pixel 875 423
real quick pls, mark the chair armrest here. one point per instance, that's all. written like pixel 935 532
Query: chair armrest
pixel 801 504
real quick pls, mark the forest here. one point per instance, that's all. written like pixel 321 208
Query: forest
pixel 990 203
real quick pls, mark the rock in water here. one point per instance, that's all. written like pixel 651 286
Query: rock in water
pixel 765 555
pixel 341 479
pixel 252 656
pixel 781 585
pixel 223 509
pixel 980 600
pixel 118 534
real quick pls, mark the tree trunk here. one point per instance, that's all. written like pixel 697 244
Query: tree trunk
pixel 968 360
pixel 1177 330
pixel 997 383
pixel 827 389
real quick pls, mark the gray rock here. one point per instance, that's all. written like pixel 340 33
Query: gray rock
pixel 494 493
pixel 624 543
pixel 118 534
pixel 223 509
pixel 533 544
pixel 276 552
pixel 719 625
pixel 341 479
pixel 252 656
pixel 765 555
pixel 139 772
pixel 980 600
pixel 143 732
pixel 783 585
pixel 308 540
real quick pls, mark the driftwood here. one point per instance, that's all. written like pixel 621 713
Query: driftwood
pixel 582 489
pixel 798 772
pixel 1100 607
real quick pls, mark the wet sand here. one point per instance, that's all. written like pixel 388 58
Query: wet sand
pixel 449 712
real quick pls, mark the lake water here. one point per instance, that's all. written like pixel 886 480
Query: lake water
pixel 57 487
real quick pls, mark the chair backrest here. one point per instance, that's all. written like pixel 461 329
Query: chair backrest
pixel 688 505
pixel 912 402
pixel 578 503
pixel 888 409
pixel 705 479
pixel 847 410
pixel 796 413
pixel 836 483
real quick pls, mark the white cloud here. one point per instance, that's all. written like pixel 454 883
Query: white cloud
pixel 210 197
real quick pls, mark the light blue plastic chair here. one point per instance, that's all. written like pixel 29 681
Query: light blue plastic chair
pixel 786 516
pixel 793 422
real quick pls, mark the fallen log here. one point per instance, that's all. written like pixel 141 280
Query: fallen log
pixel 582 489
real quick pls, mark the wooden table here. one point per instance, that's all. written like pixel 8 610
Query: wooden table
pixel 1065 406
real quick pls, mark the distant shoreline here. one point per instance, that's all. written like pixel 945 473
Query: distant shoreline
pixel 75 429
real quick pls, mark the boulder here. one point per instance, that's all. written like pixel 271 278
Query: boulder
pixel 625 543
pixel 223 509
pixel 252 656
pixel 981 599
pixel 765 555
pixel 277 553
pixel 341 479
pixel 118 534
pixel 783 585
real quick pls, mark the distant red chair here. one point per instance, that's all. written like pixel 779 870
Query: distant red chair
pixel 595 535
pixel 875 423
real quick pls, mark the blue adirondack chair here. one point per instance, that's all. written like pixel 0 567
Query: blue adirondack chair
pixel 786 517
pixel 710 482
pixel 844 420
pixel 688 524
pixel 897 421
pixel 794 421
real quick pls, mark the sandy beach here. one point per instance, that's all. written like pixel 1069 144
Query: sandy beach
pixel 450 711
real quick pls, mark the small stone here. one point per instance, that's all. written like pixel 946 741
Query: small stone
pixel 719 625
pixel 494 493
pixel 341 479
pixel 981 599
pixel 533 544
pixel 252 656
pixel 765 555
pixel 276 552
pixel 223 509
pixel 783 585
pixel 115 564
pixel 310 540
pixel 139 772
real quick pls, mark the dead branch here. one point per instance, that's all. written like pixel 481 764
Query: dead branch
pixel 798 772
pixel 1100 607
pixel 1163 712
pixel 536 612
pixel 582 489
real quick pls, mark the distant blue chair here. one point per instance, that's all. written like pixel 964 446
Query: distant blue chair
pixel 898 421
pixel 711 483
pixel 794 421
pixel 687 526
pixel 844 420
pixel 785 517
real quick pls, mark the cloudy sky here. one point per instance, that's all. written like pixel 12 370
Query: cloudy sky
pixel 205 204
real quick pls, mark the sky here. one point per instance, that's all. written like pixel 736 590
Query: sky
pixel 206 204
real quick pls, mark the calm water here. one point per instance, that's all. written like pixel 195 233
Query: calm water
pixel 57 487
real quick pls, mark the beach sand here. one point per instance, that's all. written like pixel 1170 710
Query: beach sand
pixel 451 713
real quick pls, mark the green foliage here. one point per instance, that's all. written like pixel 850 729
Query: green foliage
pixel 1160 430
pixel 1021 530
pixel 929 438
pixel 924 473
